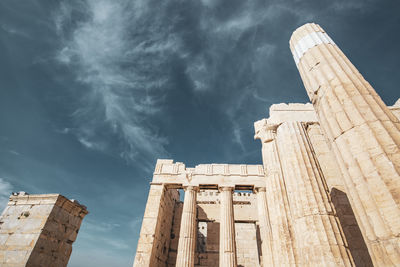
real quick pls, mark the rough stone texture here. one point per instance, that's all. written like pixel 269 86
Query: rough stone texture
pixel 277 199
pixel 38 230
pixel 247 247
pixel 364 135
pixel 340 201
pixel 155 234
pixel 317 235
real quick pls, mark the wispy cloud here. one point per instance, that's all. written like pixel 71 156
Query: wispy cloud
pixel 100 232
pixel 125 52
pixel 14 31
pixel 121 62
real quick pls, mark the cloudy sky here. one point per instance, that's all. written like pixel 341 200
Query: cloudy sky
pixel 92 92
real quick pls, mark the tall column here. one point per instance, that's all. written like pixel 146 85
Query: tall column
pixel 187 235
pixel 227 243
pixel 364 134
pixel 265 227
pixel 319 241
pixel 276 194
pixel 340 201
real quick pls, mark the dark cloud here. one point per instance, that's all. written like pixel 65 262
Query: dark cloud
pixel 94 91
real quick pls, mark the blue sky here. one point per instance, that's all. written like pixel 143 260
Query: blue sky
pixel 94 91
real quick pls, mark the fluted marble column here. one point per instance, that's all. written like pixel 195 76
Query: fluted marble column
pixel 276 194
pixel 187 235
pixel 318 237
pixel 265 227
pixel 364 134
pixel 227 243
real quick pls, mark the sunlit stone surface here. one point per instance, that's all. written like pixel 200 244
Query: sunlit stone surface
pixel 38 230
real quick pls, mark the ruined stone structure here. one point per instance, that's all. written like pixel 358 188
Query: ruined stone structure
pixel 38 230
pixel 328 192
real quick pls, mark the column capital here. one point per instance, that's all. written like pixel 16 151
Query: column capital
pixel 260 189
pixel 190 188
pixel 265 131
pixel 226 188
pixel 308 123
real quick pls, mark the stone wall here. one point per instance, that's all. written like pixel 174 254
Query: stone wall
pixel 38 230
pixel 155 234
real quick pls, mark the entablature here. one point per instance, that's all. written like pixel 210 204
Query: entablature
pixel 209 176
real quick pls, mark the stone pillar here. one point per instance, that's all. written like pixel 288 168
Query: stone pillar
pixel 227 243
pixel 318 237
pixel 364 134
pixel 187 235
pixel 38 230
pixel 153 244
pixel 265 227
pixel 278 207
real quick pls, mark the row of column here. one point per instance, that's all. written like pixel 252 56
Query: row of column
pixel 227 249
pixel 304 227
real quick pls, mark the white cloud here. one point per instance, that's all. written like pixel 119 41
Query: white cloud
pixel 100 226
pixel 14 31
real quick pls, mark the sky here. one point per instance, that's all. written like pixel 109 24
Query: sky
pixel 92 92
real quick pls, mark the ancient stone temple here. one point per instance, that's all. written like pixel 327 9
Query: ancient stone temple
pixel 38 230
pixel 327 194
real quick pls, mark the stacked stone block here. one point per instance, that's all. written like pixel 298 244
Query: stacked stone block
pixel 38 230
pixel 155 234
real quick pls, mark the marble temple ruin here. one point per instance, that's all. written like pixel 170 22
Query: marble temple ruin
pixel 327 194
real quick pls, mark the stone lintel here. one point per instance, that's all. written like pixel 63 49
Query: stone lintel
pixel 176 175
pixel 203 181
pixel 168 167
pixel 292 112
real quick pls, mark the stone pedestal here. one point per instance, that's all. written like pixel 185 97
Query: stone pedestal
pixel 187 236
pixel 364 135
pixel 227 247
pixel 265 228
pixel 317 234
